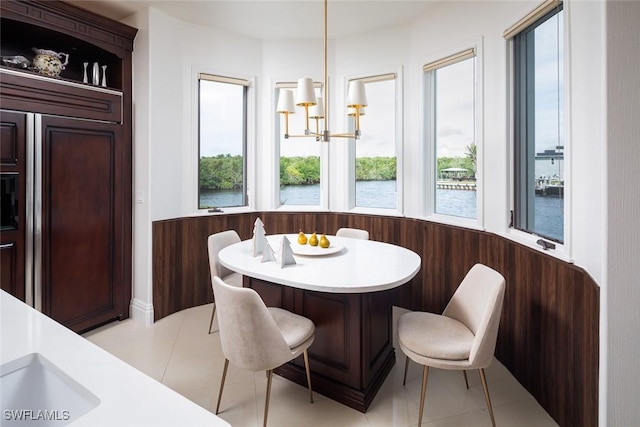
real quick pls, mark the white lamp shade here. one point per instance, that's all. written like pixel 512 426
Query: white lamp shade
pixel 351 111
pixel 317 111
pixel 285 102
pixel 306 95
pixel 356 94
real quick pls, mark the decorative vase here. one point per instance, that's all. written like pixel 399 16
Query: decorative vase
pixel 104 76
pixel 96 74
pixel 48 62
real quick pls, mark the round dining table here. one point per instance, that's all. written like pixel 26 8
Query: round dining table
pixel 346 290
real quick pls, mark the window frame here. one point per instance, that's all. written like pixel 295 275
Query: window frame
pixel 278 135
pixel 523 153
pixel 350 196
pixel 248 138
pixel 449 57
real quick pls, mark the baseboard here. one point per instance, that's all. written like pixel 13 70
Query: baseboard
pixel 142 311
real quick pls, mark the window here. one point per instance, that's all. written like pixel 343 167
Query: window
pixel 222 142
pixel 299 159
pixel 451 127
pixel 375 159
pixel 538 127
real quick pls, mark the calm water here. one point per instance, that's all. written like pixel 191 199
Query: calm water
pixel 549 219
pixel 456 202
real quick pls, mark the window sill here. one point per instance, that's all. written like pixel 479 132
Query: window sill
pixel 376 211
pixel 223 211
pixel 529 240
pixel 455 221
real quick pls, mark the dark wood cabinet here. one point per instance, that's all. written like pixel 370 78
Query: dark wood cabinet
pixel 13 176
pixel 352 352
pixel 69 253
pixel 82 243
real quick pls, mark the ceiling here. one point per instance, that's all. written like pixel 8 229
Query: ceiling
pixel 267 19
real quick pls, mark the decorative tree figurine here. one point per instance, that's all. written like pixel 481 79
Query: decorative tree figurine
pixel 259 237
pixel 286 254
pixel 267 253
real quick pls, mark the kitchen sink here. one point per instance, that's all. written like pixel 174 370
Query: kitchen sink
pixel 34 391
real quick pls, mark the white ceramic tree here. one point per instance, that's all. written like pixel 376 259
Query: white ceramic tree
pixel 286 254
pixel 259 237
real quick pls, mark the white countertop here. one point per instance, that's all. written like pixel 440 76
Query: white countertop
pixel 127 396
pixel 359 266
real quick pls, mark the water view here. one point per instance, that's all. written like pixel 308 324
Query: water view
pixel 549 221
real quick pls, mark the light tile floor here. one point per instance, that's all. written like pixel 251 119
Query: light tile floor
pixel 178 352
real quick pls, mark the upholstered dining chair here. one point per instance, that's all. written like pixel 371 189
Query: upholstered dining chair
pixel 356 233
pixel 215 243
pixel 463 336
pixel 258 338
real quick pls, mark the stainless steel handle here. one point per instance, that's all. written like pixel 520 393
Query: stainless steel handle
pixel 37 213
pixel 29 208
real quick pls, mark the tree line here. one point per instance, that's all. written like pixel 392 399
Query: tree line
pixel 224 171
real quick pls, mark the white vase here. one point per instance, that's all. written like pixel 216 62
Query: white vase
pixel 85 79
pixel 104 76
pixel 96 74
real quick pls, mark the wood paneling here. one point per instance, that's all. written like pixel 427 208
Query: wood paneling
pixel 352 352
pixel 21 91
pixel 83 263
pixel 549 333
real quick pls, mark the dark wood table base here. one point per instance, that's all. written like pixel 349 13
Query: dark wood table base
pixel 352 353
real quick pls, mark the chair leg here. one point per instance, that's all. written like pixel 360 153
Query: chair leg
pixel 483 379
pixel 466 381
pixel 306 366
pixel 212 314
pixel 266 401
pixel 406 367
pixel 423 392
pixel 224 376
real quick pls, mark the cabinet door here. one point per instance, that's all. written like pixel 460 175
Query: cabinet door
pixel 13 171
pixel 82 243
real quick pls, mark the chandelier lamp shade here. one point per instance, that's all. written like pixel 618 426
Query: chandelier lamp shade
pixel 317 107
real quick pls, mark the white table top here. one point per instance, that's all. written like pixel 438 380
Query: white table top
pixel 127 396
pixel 360 266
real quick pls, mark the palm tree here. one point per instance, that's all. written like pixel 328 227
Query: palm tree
pixel 471 153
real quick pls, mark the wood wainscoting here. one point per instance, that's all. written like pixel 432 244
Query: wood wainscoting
pixel 549 330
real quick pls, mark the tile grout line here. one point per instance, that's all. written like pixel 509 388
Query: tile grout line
pixel 173 347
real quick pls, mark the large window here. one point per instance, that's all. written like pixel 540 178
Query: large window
pixel 451 83
pixel 223 142
pixel 299 158
pixel 538 127
pixel 375 167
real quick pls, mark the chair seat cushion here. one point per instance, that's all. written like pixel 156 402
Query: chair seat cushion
pixel 233 279
pixel 435 336
pixel 295 329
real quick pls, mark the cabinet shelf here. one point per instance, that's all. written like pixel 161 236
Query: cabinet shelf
pixel 19 39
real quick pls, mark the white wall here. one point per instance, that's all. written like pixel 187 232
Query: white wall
pixel 622 296
pixel 169 52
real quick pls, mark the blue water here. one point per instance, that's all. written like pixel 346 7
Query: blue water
pixel 549 211
pixel 549 217
pixel 460 203
pixel 376 194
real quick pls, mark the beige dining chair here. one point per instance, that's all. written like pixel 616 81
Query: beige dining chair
pixel 258 338
pixel 356 233
pixel 215 243
pixel 463 337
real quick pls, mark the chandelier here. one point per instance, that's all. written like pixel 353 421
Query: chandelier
pixel 317 107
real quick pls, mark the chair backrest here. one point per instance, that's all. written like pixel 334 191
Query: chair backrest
pixel 478 304
pixel 355 233
pixel 249 336
pixel 215 243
